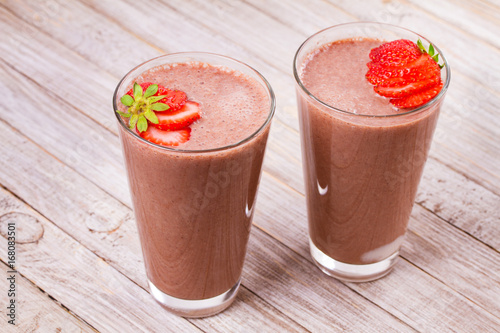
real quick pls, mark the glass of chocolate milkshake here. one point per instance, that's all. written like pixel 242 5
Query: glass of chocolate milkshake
pixel 363 156
pixel 194 199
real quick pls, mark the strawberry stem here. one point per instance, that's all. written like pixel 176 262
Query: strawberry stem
pixel 431 52
pixel 141 106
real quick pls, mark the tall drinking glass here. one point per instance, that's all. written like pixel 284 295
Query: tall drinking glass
pixel 194 203
pixel 362 159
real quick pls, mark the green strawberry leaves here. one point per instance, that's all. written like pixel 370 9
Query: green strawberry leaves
pixel 127 100
pixel 159 107
pixel 431 52
pixel 151 90
pixel 151 116
pixel 141 107
pixel 142 123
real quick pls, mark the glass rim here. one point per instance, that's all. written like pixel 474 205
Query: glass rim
pixel 194 54
pixel 298 80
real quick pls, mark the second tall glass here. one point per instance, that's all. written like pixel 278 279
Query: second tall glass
pixel 362 165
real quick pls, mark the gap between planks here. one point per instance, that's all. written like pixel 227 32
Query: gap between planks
pixel 41 295
pixel 443 282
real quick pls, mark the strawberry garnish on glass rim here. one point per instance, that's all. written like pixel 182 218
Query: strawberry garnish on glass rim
pixel 184 117
pixel 166 138
pixel 167 110
pixel 405 72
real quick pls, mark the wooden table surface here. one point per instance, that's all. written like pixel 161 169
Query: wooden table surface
pixel 78 262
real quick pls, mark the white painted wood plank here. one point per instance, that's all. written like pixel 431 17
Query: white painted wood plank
pixel 34 310
pixel 83 31
pixel 57 68
pixel 76 204
pixel 316 301
pixel 52 123
pixel 470 268
pixel 241 317
pixel 461 202
pixel 480 19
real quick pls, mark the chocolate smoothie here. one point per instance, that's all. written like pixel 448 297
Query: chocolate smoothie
pixel 194 203
pixel 361 172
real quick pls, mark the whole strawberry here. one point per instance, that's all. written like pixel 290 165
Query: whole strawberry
pixel 405 72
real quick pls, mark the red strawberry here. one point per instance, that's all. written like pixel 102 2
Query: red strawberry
pixel 396 53
pixel 405 88
pixel 423 68
pixel 169 117
pixel 418 98
pixel 166 138
pixel 174 98
pixel 184 117
pixel 404 72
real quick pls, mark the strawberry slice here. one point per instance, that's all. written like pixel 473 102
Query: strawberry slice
pixel 396 53
pixel 401 90
pixel 174 98
pixel 169 117
pixel 405 72
pixel 166 138
pixel 184 117
pixel 418 98
pixel 423 68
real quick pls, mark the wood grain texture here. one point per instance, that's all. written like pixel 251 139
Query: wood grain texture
pixel 61 163
pixel 83 282
pixel 461 202
pixel 477 18
pixel 453 275
pixel 35 310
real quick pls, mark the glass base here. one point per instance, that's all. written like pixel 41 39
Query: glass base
pixel 349 272
pixel 195 308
